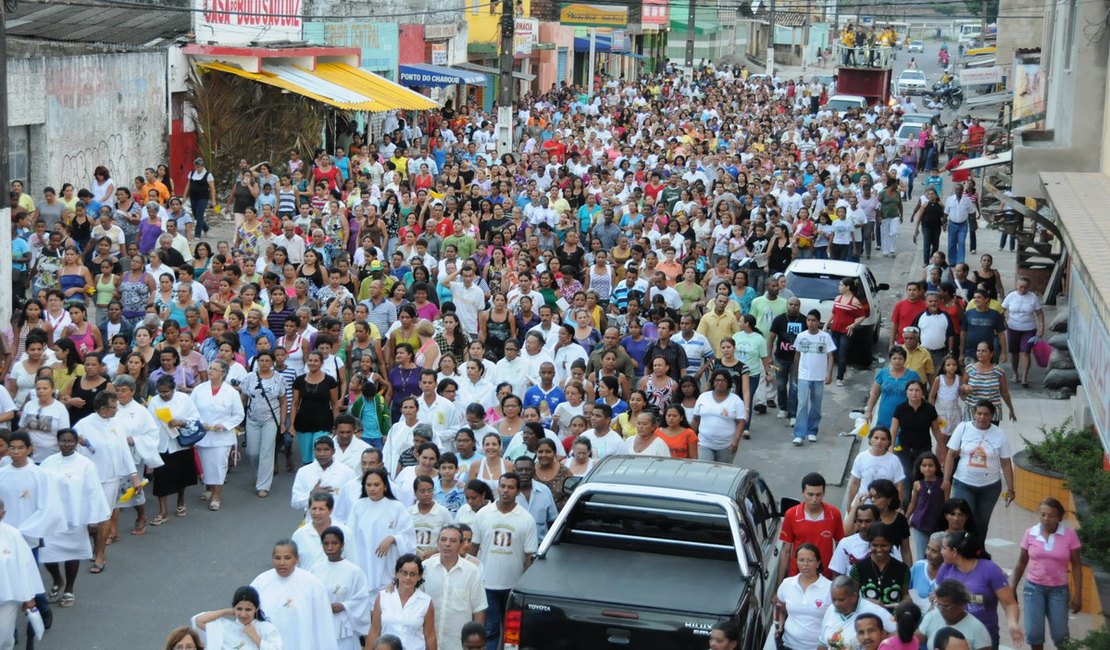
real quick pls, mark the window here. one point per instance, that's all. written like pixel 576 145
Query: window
pixel 1069 35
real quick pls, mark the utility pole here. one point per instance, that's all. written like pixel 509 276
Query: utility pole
pixel 5 171
pixel 505 92
pixel 771 41
pixel 691 18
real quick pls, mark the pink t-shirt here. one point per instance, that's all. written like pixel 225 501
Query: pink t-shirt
pixel 894 643
pixel 1048 558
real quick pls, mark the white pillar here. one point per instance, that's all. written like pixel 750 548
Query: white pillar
pixel 5 268
pixel 592 64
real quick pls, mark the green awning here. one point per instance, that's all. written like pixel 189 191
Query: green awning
pixel 701 27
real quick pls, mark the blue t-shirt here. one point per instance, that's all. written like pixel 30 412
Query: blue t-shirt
pixel 636 350
pixel 20 247
pixel 892 393
pixel 546 402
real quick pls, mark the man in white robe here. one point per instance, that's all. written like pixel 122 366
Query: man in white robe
pixel 19 580
pixel 346 586
pixel 83 505
pixel 296 602
pixel 104 441
pixel 348 448
pixel 321 475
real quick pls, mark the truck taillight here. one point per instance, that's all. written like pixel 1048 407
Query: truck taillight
pixel 511 635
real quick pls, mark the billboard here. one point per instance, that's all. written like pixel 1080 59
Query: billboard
pixel 580 14
pixel 247 22
pixel 526 33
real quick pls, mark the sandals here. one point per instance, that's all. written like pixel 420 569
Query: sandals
pixel 68 600
pixel 98 567
pixel 112 539
pixel 159 519
pixel 140 527
pixel 182 511
pixel 262 494
pixel 206 496
pixel 214 505
pixel 55 594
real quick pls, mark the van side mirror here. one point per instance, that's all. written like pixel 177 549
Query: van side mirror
pixel 570 484
pixel 883 286
pixel 786 503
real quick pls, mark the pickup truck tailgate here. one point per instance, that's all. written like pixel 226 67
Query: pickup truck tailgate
pixel 588 597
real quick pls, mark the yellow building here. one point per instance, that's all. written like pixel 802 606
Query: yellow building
pixel 483 19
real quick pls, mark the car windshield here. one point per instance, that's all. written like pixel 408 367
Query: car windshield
pixel 913 75
pixel 909 131
pixel 841 105
pixel 815 286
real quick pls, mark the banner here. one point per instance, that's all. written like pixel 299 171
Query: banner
pixel 581 14
pixel 526 31
pixel 439 54
pixel 246 22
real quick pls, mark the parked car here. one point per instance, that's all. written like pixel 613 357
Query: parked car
pixel 908 132
pixel 652 553
pixel 917 46
pixel 817 283
pixel 910 82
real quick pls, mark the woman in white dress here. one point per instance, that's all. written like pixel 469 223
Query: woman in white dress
pixel 298 604
pixel 221 410
pixel 242 626
pixel 403 611
pixel 83 504
pixel 346 585
pixel 382 527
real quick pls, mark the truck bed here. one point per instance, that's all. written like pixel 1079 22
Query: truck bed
pixel 635 580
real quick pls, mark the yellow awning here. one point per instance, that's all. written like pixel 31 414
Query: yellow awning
pixel 336 84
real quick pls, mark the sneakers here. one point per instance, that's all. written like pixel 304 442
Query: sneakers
pixel 761 408
pixel 792 421
pixel 781 414
pixel 811 438
pixel 797 442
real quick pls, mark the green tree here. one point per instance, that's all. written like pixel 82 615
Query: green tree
pixel 977 7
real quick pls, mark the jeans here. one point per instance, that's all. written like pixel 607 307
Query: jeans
pixel 715 455
pixel 787 389
pixel 498 600
pixel 920 541
pixel 199 207
pixel 982 501
pixel 843 343
pixel 930 242
pixel 908 455
pixel 261 441
pixel 1002 241
pixel 957 242
pixel 809 407
pixel 868 235
pixel 890 235
pixel 972 227
pixel 1040 602
pixel 756 277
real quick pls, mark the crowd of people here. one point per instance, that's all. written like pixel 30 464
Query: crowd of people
pixel 434 338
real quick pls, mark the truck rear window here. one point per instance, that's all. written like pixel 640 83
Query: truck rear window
pixel 651 524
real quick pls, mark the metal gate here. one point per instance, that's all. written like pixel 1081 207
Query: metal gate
pixel 561 66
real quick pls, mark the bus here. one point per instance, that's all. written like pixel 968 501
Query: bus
pixel 970 32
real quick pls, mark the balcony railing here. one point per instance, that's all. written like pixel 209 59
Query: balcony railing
pixel 864 56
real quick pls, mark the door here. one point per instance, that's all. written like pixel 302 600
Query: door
pixel 561 66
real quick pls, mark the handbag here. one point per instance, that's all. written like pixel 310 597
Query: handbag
pixel 1042 350
pixel 190 434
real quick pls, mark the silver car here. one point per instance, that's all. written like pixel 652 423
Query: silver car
pixel 910 82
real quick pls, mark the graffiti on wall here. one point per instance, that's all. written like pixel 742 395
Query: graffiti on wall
pixel 109 110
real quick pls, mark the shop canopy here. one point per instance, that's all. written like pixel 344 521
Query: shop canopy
pixel 336 84
pixel 426 75
pixel 603 44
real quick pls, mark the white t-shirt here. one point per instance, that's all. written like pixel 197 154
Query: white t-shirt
pixel 655 448
pixel 981 454
pixel 805 609
pixel 853 548
pixel 610 444
pixel 718 419
pixel 868 468
pixel 1021 309
pixel 813 364
pixel 504 540
pixel 468 302
pixel 844 627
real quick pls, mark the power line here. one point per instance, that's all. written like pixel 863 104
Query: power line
pixel 140 6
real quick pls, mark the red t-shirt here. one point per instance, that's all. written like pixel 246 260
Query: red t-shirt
pixel 823 533
pixel 557 150
pixel 905 313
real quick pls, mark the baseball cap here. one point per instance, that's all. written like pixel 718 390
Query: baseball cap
pixel 198 161
pixel 375 265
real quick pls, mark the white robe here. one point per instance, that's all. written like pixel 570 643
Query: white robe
pixel 310 549
pixel 110 452
pixel 225 408
pixel 227 633
pixel 348 495
pixel 143 430
pixel 20 579
pixel 299 607
pixel 346 583
pixel 83 504
pixel 372 521
pixel 396 442
pixel 352 455
pixel 181 408
pixel 31 499
pixel 335 476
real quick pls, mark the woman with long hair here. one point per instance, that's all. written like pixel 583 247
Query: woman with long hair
pixel 243 625
pixel 986 458
pixel 966 562
pixel 848 311
pixel 30 319
pixel 21 380
pixel 315 405
pixel 383 529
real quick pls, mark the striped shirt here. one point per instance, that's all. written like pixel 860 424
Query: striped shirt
pixel 698 351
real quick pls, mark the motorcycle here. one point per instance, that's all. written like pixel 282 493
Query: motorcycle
pixel 942 59
pixel 943 94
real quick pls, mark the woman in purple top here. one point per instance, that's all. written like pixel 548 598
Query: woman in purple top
pixel 150 229
pixel 966 561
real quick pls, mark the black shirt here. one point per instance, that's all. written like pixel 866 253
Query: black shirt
pixel 786 329
pixel 915 425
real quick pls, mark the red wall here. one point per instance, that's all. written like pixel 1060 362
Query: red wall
pixel 411 45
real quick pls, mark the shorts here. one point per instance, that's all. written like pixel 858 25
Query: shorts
pixel 1019 340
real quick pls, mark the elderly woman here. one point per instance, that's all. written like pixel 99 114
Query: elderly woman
pixel 142 439
pixel 221 411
